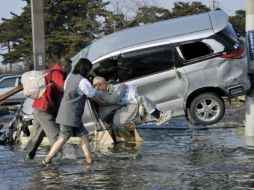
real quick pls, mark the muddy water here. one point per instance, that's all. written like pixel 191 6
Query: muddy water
pixel 204 158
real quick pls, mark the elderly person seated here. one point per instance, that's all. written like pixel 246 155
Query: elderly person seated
pixel 123 104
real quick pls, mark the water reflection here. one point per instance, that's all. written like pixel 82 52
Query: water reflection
pixel 47 178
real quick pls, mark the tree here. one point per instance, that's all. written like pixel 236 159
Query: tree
pixel 183 9
pixel 114 22
pixel 151 14
pixel 238 20
pixel 15 35
pixel 69 26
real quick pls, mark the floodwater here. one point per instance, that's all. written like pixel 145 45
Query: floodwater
pixel 216 157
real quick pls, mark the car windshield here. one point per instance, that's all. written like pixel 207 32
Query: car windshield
pixel 82 54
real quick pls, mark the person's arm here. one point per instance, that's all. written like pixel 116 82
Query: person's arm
pixel 113 95
pixel 109 99
pixel 86 88
pixel 98 100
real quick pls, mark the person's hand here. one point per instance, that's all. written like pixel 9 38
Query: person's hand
pixel 110 88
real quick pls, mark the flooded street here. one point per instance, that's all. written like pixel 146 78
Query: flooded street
pixel 204 158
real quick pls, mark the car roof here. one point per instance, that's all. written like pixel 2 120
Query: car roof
pixel 5 75
pixel 168 31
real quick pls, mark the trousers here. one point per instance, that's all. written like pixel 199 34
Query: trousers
pixel 43 125
pixel 126 113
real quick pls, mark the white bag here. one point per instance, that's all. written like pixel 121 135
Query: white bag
pixel 34 84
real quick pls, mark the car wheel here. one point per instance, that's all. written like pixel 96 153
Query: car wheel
pixel 207 108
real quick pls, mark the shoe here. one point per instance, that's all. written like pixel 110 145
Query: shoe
pixel 89 159
pixel 45 163
pixel 164 117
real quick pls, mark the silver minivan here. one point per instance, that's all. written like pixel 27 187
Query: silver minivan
pixel 187 64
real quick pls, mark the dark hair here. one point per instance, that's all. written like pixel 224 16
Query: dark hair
pixel 65 61
pixel 82 67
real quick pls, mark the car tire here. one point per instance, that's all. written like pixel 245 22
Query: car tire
pixel 207 109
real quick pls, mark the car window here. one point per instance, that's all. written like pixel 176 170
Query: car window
pixel 108 69
pixel 7 83
pixel 229 38
pixel 230 32
pixel 82 54
pixel 147 61
pixel 194 50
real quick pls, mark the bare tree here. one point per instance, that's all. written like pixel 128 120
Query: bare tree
pixel 129 7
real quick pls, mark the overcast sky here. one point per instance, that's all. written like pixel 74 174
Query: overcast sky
pixel 229 6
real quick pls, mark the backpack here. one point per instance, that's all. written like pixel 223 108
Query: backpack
pixel 34 83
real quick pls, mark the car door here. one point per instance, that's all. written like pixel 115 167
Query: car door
pixel 156 73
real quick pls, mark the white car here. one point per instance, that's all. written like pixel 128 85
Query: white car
pixel 7 83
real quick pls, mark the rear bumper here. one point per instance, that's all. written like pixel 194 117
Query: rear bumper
pixel 236 91
pixel 237 87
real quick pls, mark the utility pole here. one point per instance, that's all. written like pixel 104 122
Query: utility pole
pixel 249 112
pixel 212 5
pixel 249 15
pixel 38 34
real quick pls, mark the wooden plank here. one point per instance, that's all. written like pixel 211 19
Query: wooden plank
pixel 11 92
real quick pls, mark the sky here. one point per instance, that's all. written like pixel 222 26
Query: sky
pixel 7 6
pixel 229 6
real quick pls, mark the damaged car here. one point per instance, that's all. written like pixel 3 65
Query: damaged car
pixel 188 64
